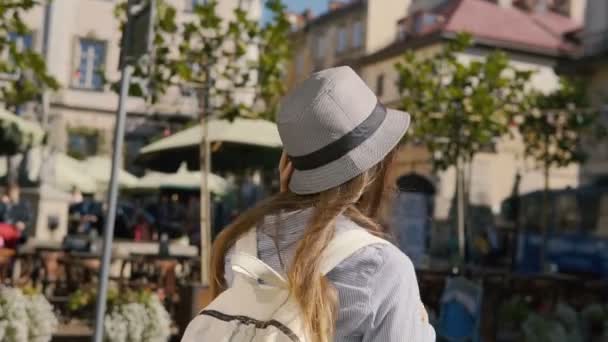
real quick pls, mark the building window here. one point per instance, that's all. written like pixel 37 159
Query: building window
pixel 90 58
pixel 358 34
pixel 342 39
pixel 402 31
pixel 380 85
pixel 319 45
pixel 423 21
pixel 22 41
pixel 299 67
pixel 82 142
pixel 192 4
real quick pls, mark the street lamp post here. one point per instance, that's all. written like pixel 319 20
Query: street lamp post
pixel 139 28
pixel 205 160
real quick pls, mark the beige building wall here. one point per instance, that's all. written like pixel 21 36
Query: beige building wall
pixel 545 78
pixel 382 17
pixel 94 19
pixel 597 164
pixel 386 68
pixel 492 174
pixel 73 108
pixel 316 46
pixel 577 10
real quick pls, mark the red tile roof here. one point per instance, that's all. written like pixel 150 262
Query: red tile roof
pixel 492 26
pixel 510 25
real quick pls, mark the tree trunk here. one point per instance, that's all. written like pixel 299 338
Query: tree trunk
pixel 460 207
pixel 545 218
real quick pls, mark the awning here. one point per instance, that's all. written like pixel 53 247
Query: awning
pixel 182 180
pixel 237 144
pixel 68 172
pixel 99 167
pixel 17 133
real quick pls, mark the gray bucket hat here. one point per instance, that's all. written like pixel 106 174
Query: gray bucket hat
pixel 334 128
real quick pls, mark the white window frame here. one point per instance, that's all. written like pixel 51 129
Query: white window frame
pixel 90 68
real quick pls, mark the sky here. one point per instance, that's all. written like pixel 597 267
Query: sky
pixel 317 6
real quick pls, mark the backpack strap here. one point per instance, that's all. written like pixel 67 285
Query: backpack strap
pixel 248 243
pixel 245 261
pixel 345 244
pixel 255 270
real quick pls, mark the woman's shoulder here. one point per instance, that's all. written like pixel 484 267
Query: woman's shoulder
pixel 371 259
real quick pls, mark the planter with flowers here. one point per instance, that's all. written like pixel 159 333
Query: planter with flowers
pixel 25 316
pixel 132 315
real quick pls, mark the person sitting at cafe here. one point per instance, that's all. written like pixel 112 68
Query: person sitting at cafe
pixel 170 216
pixel 84 214
pixel 16 212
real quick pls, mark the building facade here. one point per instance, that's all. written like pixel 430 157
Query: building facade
pixel 530 32
pixel 591 62
pixel 83 51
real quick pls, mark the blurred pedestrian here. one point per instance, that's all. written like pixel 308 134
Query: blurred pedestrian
pixel 16 211
pixel 320 233
pixel 85 213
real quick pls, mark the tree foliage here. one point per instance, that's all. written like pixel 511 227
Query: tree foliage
pixel 237 58
pixel 23 72
pixel 554 128
pixel 25 69
pixel 459 108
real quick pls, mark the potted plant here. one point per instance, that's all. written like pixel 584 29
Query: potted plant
pixel 25 316
pixel 132 315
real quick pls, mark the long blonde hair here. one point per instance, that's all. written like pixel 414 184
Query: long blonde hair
pixel 359 199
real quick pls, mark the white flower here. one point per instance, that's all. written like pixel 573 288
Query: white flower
pixel 42 320
pixel 159 328
pixel 115 327
pixel 25 318
pixel 138 322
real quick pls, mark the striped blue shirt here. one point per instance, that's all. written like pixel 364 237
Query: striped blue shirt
pixel 377 288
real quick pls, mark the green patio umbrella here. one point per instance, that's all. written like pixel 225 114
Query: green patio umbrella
pixel 68 172
pixel 98 167
pixel 236 145
pixel 17 134
pixel 182 179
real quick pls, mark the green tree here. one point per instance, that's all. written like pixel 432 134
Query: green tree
pixel 25 74
pixel 554 130
pixel 153 74
pixel 25 67
pixel 224 62
pixel 460 108
pixel 209 48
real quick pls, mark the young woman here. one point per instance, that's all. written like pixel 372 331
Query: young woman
pixel 339 143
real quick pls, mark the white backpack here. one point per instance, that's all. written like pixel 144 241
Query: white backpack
pixel 257 307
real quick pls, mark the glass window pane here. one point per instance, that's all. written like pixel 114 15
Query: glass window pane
pixel 358 34
pixel 341 39
pixel 92 56
pixel 320 48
